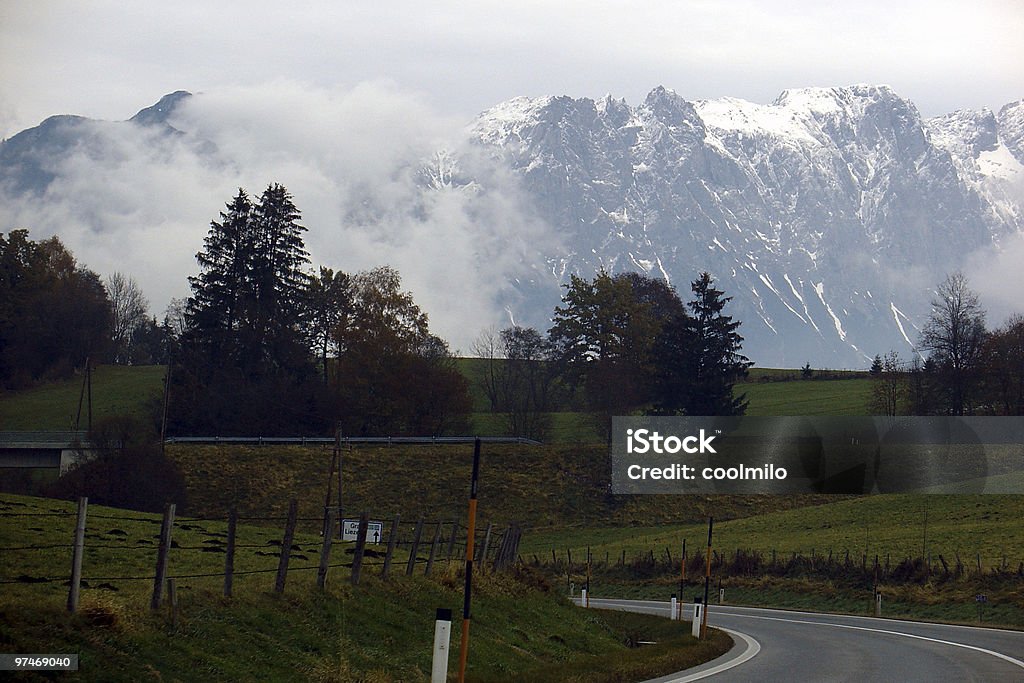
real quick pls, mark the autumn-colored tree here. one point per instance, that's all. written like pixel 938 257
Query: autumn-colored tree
pixel 53 313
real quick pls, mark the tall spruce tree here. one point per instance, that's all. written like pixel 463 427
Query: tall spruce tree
pixel 245 364
pixel 220 292
pixel 716 363
pixel 280 283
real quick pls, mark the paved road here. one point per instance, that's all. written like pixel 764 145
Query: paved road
pixel 804 646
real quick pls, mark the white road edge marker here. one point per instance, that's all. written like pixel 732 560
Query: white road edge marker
pixel 1000 655
pixel 753 647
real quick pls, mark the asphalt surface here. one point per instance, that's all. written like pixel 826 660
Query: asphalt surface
pixel 780 645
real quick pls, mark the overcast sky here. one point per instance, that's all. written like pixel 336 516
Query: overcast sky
pixel 109 58
pixel 341 101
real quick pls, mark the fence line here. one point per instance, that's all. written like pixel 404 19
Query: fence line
pixel 744 562
pixel 365 556
pixel 330 440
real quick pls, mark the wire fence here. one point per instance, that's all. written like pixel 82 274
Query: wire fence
pixel 395 547
pixel 832 564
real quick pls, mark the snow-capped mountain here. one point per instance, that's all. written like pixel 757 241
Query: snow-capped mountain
pixel 828 215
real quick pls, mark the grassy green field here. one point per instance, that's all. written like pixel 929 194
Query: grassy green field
pixel 377 631
pixel 811 397
pixel 551 486
pixel 136 391
pixel 560 492
pixel 934 601
pixel 967 525
pixel 116 390
pixel 965 528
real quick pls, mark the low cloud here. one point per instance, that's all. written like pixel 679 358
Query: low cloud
pixel 379 176
pixel 997 277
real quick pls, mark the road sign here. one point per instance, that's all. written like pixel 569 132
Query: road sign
pixel 980 598
pixel 350 531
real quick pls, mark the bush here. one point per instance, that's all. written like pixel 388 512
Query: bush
pixel 124 468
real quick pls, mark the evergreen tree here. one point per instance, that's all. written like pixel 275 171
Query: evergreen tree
pixel 716 362
pixel 249 302
pixel 220 292
pixel 245 365
pixel 280 283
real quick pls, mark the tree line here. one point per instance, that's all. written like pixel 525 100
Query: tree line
pixel 960 367
pixel 619 345
pixel 55 314
pixel 271 347
pixel 267 344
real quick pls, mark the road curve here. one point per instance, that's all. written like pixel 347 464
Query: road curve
pixel 806 646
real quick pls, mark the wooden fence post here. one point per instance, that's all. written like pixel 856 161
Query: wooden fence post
pixel 415 548
pixel 76 557
pixel 486 545
pixel 172 598
pixel 229 558
pixel 161 556
pixel 451 540
pixel 503 549
pixel 357 559
pixel 325 550
pixel 433 549
pixel 286 546
pixel 392 541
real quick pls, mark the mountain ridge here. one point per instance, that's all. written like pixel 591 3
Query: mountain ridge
pixel 830 214
pixel 819 206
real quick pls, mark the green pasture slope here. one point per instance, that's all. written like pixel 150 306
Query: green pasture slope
pixel 970 529
pixel 116 390
pixel 807 397
pixel 136 390
pixel 967 526
pixel 377 631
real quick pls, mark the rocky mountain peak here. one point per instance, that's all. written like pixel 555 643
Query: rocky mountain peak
pixel 162 110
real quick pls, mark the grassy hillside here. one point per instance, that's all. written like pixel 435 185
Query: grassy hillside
pixel 116 390
pixel 136 390
pixel 540 486
pixel 377 631
pixel 881 524
pixel 899 530
pixel 807 397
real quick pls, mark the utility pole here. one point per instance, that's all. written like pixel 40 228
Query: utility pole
pixel 88 377
pixel 337 451
pixel 470 537
pixel 167 394
pixel 707 582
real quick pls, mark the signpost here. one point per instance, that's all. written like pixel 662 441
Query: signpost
pixel 470 537
pixel 981 599
pixel 350 531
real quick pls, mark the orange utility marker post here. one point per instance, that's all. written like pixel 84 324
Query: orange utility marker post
pixel 468 591
pixel 707 582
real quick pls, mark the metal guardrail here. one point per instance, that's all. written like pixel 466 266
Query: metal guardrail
pixel 24 440
pixel 313 440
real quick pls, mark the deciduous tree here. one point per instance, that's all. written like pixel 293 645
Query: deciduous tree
pixel 954 335
pixel 128 308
